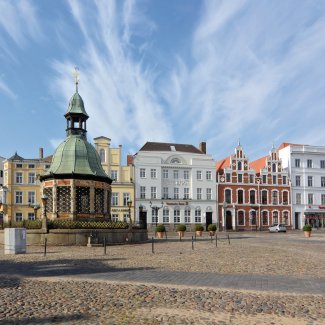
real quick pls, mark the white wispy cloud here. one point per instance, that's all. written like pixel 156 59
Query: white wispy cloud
pixel 117 88
pixel 6 90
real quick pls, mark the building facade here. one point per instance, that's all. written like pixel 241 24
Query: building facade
pixel 174 184
pixel 306 167
pixel 252 196
pixel 1 170
pixel 123 199
pixel 20 195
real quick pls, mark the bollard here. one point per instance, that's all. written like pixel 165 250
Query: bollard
pixel 228 240
pixel 192 243
pixel 166 235
pixel 216 240
pixel 180 236
pixel 152 246
pixel 211 238
pixel 104 245
pixel 45 244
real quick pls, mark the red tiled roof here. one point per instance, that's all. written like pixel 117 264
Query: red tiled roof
pixel 258 164
pixel 221 164
pixel 286 144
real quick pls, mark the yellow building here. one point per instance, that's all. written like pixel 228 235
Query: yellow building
pixel 20 195
pixel 122 176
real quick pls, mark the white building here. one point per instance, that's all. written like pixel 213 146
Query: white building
pixel 306 168
pixel 179 180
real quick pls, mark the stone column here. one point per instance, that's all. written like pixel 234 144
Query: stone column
pixel 73 200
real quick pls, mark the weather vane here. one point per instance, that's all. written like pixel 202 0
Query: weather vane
pixel 76 74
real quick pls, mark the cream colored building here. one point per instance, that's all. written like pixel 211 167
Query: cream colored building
pixel 122 176
pixel 20 194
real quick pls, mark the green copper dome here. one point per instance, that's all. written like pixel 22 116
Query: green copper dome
pixel 76 105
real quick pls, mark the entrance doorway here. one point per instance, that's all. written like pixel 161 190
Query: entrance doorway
pixel 297 219
pixel 228 220
pixel 143 219
pixel 208 219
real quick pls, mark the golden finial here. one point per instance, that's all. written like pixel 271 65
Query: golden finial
pixel 76 74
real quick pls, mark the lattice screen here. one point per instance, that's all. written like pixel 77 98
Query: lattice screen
pixel 49 193
pixel 83 199
pixel 63 196
pixel 99 200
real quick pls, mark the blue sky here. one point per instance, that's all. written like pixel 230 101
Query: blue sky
pixel 170 71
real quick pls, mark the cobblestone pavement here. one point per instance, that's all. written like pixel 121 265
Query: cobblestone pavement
pixel 257 279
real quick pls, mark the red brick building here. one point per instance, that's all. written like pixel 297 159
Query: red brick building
pixel 252 195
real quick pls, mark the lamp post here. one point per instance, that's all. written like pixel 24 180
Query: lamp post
pixel 224 215
pixel 259 202
pixel 44 220
pixel 129 203
pixel 35 207
pixel 234 207
pixel 156 209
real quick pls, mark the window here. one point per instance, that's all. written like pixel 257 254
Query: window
pixel 197 218
pixel 31 178
pixel 153 192
pixel 323 199
pixel 228 177
pixel 239 165
pixel 298 198
pixel 142 192
pixel 102 155
pixel 19 197
pixel 209 194
pixel 265 218
pixel 31 197
pixel 285 198
pixel 285 217
pixel 1 173
pixel 165 192
pixel 114 199
pixel 264 197
pixel 31 216
pixel 297 163
pixel 251 178
pixel 19 178
pixel 142 173
pixel 284 180
pixel 19 165
pixel 274 179
pixel 154 216
pixel 208 175
pixel 125 217
pixel 177 215
pixel 275 216
pixel 322 181
pixel 228 196
pixel 310 198
pixel 241 218
pixel 176 193
pixel 165 173
pixel 31 166
pixel 310 181
pixel 18 216
pixel 240 196
pixel 273 168
pixel 322 164
pixel 186 174
pixel 309 163
pixel 252 217
pixel 114 175
pixel 165 215
pixel 126 198
pixel 240 178
pixel 175 174
pixel 187 213
pixel 252 197
pixel 153 173
pixel 199 175
pixel 298 180
pixel 186 193
pixel 264 180
pixel 274 197
pixel 114 217
pixel 199 193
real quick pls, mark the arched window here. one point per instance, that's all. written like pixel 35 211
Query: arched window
pixel 240 197
pixel 275 197
pixel 274 168
pixel 275 217
pixel 252 197
pixel 197 215
pixel 265 218
pixel 264 197
pixel 102 155
pixel 239 165
pixel 241 218
pixel 252 217
pixel 285 217
pixel 285 198
pixel 165 215
pixel 187 215
pixel 228 196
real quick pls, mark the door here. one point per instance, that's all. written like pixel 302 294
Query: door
pixel 143 219
pixel 208 219
pixel 228 220
pixel 296 220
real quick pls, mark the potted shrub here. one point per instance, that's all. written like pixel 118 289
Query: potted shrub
pixel 307 230
pixel 198 230
pixel 212 229
pixel 181 230
pixel 160 230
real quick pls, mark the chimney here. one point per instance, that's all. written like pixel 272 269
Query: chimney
pixel 40 154
pixel 129 159
pixel 203 147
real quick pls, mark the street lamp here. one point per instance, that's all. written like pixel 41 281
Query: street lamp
pixel 156 209
pixel 129 203
pixel 35 207
pixel 44 220
pixel 224 215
